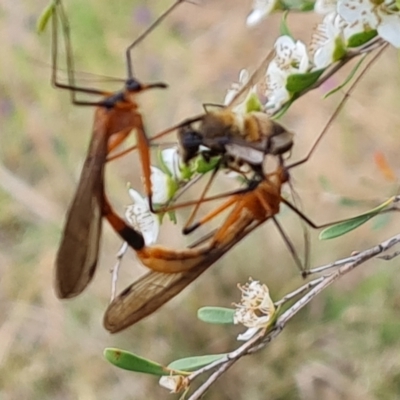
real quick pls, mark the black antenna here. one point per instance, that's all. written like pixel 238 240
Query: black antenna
pixel 144 34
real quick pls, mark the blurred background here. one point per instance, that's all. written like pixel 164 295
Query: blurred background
pixel 344 345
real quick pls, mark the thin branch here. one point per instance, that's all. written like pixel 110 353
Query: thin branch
pixel 261 339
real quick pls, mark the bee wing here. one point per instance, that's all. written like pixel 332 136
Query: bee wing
pixel 154 289
pixel 78 252
pixel 253 80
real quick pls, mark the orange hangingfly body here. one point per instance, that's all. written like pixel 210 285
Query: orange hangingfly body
pixel 116 116
pixel 173 270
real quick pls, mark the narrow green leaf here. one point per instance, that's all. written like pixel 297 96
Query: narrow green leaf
pixel 193 363
pixel 297 5
pixel 45 17
pixel 131 362
pixel 216 315
pixel 352 223
pixel 172 186
pixel 203 166
pixel 360 39
pixel 347 80
pixel 296 83
pixel 172 216
pixel 340 49
pixel 284 29
pixel 284 109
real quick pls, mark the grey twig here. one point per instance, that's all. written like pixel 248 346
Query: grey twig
pixel 313 288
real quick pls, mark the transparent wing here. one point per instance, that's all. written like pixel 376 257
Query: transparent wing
pixel 77 255
pixel 154 289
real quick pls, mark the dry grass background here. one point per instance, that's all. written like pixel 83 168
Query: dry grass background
pixel 345 345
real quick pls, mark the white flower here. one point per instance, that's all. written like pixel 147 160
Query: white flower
pixel 261 9
pixel 139 216
pixel 276 92
pixel 174 383
pixel 255 309
pixel 171 159
pixel 327 42
pixel 291 58
pixel 373 15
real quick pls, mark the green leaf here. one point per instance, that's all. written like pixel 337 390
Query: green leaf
pixel 172 216
pixel 203 166
pixel 186 172
pixel 340 49
pixel 352 223
pixel 298 5
pixel 172 186
pixel 253 103
pixel 360 39
pixel 283 110
pixel 307 6
pixel 131 362
pixel 284 29
pixel 347 80
pixel 296 83
pixel 193 363
pixel 216 315
pixel 44 18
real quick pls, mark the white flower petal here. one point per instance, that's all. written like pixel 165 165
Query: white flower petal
pixel 256 308
pixel 372 15
pixel 352 29
pixel 139 216
pixel 160 186
pixel 358 10
pixel 325 40
pixel 302 56
pixel 261 9
pixel 389 29
pixel 245 336
pixel 174 383
pixel 256 16
pixel 171 160
pixel 137 198
pixel 290 55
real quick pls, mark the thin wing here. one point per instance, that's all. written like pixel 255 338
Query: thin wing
pixel 253 80
pixel 78 252
pixel 154 289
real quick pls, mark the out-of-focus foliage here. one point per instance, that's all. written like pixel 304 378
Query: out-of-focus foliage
pixel 343 346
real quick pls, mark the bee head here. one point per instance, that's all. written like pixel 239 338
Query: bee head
pixel 190 141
